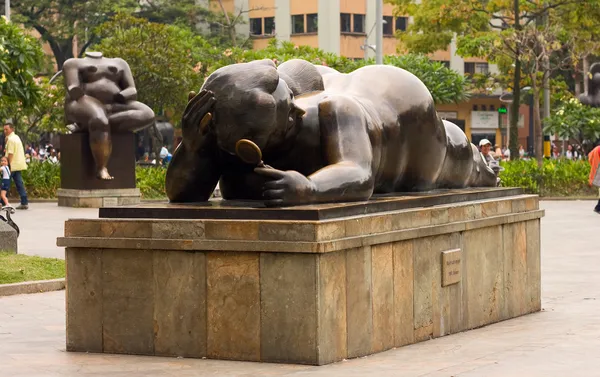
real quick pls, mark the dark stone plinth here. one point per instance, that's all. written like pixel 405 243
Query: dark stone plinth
pixel 233 210
pixel 77 169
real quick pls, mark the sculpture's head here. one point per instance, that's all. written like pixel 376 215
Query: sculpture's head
pixel 252 102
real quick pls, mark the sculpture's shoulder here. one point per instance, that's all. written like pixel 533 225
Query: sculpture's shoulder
pixel 72 63
pixel 119 62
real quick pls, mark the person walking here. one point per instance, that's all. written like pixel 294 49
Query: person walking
pixel 594 158
pixel 16 160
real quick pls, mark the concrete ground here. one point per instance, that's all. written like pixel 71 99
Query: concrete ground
pixel 562 340
pixel 42 223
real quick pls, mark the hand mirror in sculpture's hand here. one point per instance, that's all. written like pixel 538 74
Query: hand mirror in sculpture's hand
pixel 249 152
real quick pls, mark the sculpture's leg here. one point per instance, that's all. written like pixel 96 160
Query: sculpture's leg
pixel 130 117
pixel 91 115
pixel 101 145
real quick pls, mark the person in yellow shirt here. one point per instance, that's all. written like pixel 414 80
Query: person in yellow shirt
pixel 16 159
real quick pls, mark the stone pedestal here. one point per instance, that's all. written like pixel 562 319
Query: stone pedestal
pixel 8 238
pixel 98 198
pixel 330 286
pixel 79 185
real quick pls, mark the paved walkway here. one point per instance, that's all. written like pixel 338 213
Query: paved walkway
pixel 562 340
pixel 42 223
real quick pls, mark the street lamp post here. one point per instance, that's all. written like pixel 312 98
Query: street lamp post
pixel 366 46
pixel 379 32
pixel 7 9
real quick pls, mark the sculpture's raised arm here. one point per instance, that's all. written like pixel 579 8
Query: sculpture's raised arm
pixel 194 169
pixel 128 92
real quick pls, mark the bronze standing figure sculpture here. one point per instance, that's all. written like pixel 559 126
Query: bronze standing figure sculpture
pixel 101 99
pixel 326 137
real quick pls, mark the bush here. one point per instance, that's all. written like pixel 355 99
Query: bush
pixel 151 181
pixel 42 180
pixel 556 177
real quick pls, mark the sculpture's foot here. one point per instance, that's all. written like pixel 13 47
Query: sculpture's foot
pixel 74 127
pixel 103 174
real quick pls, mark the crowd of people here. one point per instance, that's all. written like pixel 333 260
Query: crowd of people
pixel 42 153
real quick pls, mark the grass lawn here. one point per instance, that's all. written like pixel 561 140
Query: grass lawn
pixel 15 268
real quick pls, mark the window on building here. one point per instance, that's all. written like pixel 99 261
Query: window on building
pixel 492 108
pixel 298 24
pixel 345 26
pixel 473 68
pixel 483 108
pixel 256 26
pixel 269 25
pixel 475 108
pixel 359 23
pixel 481 68
pixel 401 23
pixel 388 27
pixel 312 23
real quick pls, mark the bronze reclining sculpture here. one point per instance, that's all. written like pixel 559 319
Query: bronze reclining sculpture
pixel 325 137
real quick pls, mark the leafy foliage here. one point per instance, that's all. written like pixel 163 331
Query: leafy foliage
pixel 46 116
pixel 555 178
pixel 62 23
pixel 573 120
pixel 522 37
pixel 41 179
pixel 20 57
pixel 162 59
pixel 151 181
pixel 445 85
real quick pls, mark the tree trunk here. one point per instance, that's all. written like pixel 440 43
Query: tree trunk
pixel 514 111
pixel 61 49
pixel 537 126
pixel 586 70
pixel 230 27
pixel 513 143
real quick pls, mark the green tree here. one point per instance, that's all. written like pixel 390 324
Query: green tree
pixel 162 59
pixel 445 85
pixel 20 57
pixel 70 24
pixel 500 31
pixel 573 120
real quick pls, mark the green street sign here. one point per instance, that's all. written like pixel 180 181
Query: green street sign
pixel 502 110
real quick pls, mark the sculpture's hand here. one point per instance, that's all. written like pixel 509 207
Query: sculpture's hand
pixel 75 92
pixel 286 187
pixel 120 98
pixel 197 117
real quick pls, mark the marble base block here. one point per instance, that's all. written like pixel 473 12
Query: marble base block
pixel 295 291
pixel 98 198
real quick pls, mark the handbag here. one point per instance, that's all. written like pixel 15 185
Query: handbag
pixel 596 181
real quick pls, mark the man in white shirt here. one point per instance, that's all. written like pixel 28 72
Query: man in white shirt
pixel 485 146
pixel 16 160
